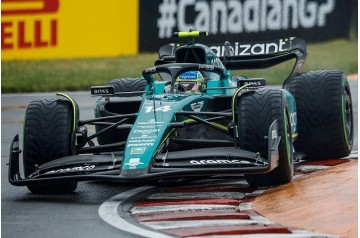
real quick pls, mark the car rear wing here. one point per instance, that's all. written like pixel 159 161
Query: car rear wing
pixel 254 55
pixel 251 55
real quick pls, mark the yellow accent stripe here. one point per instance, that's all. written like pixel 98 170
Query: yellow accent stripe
pixel 73 105
pixel 188 121
pixel 189 80
pixel 220 126
pixel 163 141
pixel 192 34
pixel 214 123
pixel 234 97
pixel 294 136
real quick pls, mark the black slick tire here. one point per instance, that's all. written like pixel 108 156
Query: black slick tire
pixel 128 85
pixel 257 110
pixel 324 112
pixel 47 136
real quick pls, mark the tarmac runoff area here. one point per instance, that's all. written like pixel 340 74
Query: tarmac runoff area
pixel 321 201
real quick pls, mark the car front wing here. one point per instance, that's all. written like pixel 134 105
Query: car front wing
pixel 107 167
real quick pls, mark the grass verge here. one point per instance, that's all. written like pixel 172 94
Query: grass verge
pixel 80 74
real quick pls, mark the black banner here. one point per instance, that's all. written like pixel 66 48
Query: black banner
pixel 243 20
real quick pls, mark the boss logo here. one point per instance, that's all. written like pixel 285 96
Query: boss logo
pixel 255 83
pixel 102 90
pixel 258 82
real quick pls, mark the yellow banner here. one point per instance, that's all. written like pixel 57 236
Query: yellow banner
pixel 48 29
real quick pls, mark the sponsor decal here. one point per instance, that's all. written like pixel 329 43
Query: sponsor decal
pixel 140 144
pixel 146 126
pixel 146 131
pixel 293 119
pixel 102 107
pixel 299 67
pixel 206 67
pixel 73 169
pixel 100 90
pixel 134 162
pixel 142 141
pixel 219 162
pixel 254 48
pixel 175 67
pixel 150 70
pixel 142 137
pixel 44 31
pixel 274 134
pixel 189 75
pixel 150 122
pixel 137 150
pixel 16 145
pixel 253 82
pixel 197 106
pixel 50 29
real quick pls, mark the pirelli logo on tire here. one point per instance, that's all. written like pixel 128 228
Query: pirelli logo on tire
pixel 45 29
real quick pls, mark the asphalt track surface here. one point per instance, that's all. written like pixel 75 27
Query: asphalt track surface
pixel 77 215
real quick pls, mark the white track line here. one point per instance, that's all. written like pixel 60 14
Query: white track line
pixel 108 212
pixel 311 168
pixel 180 208
pixel 256 193
pixel 354 154
pixel 161 225
pixel 296 235
pixel 245 206
pixel 195 195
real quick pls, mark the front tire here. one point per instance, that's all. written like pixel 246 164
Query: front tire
pixel 257 111
pixel 47 136
pixel 325 116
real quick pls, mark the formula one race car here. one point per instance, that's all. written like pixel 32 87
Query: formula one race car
pixel 189 116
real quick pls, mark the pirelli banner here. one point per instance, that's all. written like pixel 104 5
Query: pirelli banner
pixel 243 20
pixel 43 29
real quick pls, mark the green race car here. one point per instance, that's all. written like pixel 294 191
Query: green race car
pixel 188 116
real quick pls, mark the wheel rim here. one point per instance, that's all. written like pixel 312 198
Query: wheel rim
pixel 348 119
pixel 288 142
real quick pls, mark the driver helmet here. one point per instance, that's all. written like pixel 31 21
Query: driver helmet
pixel 191 81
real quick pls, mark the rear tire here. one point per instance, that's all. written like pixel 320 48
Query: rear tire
pixel 325 116
pixel 128 85
pixel 257 111
pixel 47 136
pixel 120 85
